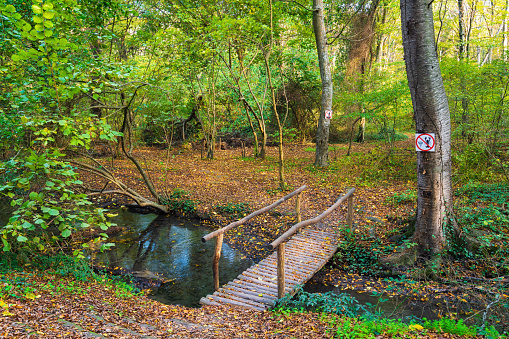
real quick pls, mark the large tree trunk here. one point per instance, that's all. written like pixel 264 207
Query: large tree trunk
pixel 431 113
pixel 322 134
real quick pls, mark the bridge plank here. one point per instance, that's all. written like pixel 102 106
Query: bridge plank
pixel 305 254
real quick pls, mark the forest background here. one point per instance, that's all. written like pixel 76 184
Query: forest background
pixel 84 79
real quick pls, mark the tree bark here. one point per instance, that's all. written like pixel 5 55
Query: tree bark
pixel 322 134
pixel 431 114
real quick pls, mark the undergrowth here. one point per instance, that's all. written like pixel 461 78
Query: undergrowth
pixel 369 169
pixel 19 278
pixel 238 210
pixel 347 318
pixel 360 253
pixel 179 201
pixel 329 302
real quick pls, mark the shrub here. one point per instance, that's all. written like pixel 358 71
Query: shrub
pixel 179 201
pixel 235 210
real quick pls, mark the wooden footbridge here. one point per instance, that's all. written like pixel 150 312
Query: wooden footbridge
pixel 293 263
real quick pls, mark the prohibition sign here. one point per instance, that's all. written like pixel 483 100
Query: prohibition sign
pixel 425 142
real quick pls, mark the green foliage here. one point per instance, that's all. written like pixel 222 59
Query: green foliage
pixel 354 328
pixel 332 148
pixel 374 167
pixel 446 325
pixel 360 254
pixel 238 210
pixel 42 190
pixel 475 192
pixel 329 302
pixel 473 163
pixel 71 270
pixel 386 134
pixel 179 200
pixel 409 196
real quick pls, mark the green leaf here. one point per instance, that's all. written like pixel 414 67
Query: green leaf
pixel 66 233
pixel 21 238
pixel 48 33
pixel 36 9
pixel 47 6
pixel 7 246
pixel 49 15
pixel 10 8
pixel 15 58
pixel 33 195
pixel 26 225
pixel 53 211
pixel 48 24
pixel 37 19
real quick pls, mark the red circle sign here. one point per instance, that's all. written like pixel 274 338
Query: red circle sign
pixel 420 137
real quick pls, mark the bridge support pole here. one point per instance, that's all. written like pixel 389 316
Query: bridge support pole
pixel 215 260
pixel 349 217
pixel 297 207
pixel 281 270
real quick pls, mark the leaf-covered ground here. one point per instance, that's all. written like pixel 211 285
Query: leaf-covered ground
pixel 61 307
pixel 384 181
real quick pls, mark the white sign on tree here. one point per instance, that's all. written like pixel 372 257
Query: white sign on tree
pixel 425 142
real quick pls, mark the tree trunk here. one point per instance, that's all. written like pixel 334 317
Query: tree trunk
pixel 461 30
pixel 431 114
pixel 322 134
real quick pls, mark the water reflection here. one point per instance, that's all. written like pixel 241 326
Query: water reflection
pixel 393 307
pixel 171 248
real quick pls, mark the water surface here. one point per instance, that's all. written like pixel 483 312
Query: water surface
pixel 171 248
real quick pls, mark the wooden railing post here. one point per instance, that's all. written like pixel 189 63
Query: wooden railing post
pixel 297 207
pixel 349 218
pixel 215 261
pixel 281 270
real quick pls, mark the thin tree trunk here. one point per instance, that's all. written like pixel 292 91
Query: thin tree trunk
pixel 322 134
pixel 282 181
pixel 431 113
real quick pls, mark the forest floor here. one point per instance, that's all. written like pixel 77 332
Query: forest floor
pixel 231 186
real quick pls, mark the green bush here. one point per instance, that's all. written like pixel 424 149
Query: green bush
pixel 409 196
pixel 179 201
pixel 496 193
pixel 238 210
pixel 330 302
pixel 360 254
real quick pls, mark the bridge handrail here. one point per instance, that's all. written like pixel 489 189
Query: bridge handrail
pixel 220 232
pixel 252 215
pixel 316 219
pixel 279 243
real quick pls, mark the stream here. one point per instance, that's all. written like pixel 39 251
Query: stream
pixel 170 248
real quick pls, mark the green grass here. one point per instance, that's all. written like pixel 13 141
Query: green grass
pixel 332 148
pixel 21 279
